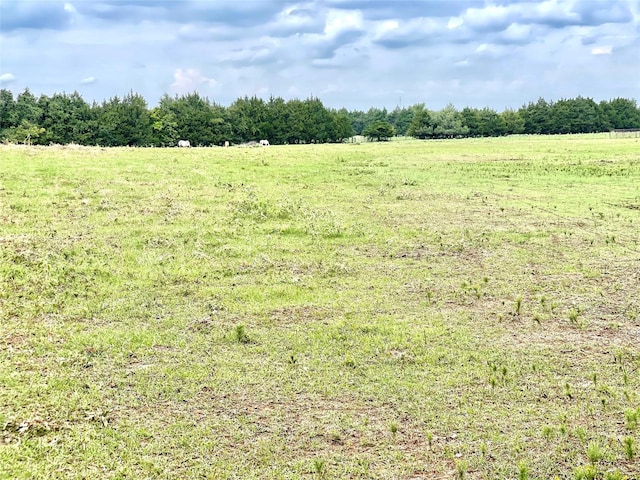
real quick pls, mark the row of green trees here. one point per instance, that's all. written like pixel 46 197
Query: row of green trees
pixel 67 118
pixel 577 115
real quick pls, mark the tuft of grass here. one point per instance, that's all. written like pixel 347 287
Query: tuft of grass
pixel 461 469
pixel 567 390
pixel 581 433
pixel 586 472
pixel 548 432
pixel 573 316
pixel 350 361
pixel 518 306
pixel 594 452
pixel 429 294
pixel 629 448
pixel 615 475
pixel 319 467
pixel 240 334
pixel 523 471
pixel 631 416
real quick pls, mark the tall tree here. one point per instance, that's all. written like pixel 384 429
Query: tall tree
pixel 577 115
pixel 248 116
pixel 401 119
pixel 135 123
pixel 513 121
pixel 537 117
pixel 164 123
pixel 621 113
pixel 490 123
pixel 124 122
pixel 380 130
pixel 343 128
pixel 297 121
pixel 194 117
pixel 27 107
pixel 375 115
pixel 448 123
pixel 422 124
pixel 357 119
pixel 320 127
pixel 276 121
pixel 8 111
pixel 65 118
pixel 471 119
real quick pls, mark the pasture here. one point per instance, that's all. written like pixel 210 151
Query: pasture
pixel 403 310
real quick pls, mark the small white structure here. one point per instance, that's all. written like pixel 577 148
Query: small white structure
pixel 226 143
pixel 264 143
pixel 184 143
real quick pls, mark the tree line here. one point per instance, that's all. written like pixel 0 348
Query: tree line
pixel 128 121
pixel 575 115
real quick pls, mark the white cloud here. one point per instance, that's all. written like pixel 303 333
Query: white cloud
pixel 554 12
pixel 490 51
pixel 340 20
pixel 186 81
pixel 490 17
pixel 295 20
pixel 88 80
pixel 516 33
pixel 604 50
pixel 387 26
pixel 454 22
pixel 6 78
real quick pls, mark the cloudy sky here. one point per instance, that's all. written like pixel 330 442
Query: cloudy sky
pixel 351 53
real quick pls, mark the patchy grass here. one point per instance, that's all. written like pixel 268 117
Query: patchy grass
pixel 443 309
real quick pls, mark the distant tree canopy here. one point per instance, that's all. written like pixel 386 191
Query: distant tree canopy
pixel 577 115
pixel 128 121
pixel 421 125
pixel 379 130
pixel 66 118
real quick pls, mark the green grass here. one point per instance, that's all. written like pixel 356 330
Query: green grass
pixel 442 309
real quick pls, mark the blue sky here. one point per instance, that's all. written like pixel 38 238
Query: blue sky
pixel 351 53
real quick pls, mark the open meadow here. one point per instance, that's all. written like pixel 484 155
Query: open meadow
pixel 406 310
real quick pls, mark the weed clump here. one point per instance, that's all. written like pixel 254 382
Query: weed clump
pixel 631 418
pixel 240 334
pixel 523 471
pixel 573 316
pixel 587 472
pixel 319 466
pixel 461 469
pixel 629 449
pixel 594 452
pixel 518 309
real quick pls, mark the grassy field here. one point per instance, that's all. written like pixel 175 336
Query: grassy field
pixel 405 310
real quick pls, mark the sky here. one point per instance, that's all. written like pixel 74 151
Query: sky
pixel 348 53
